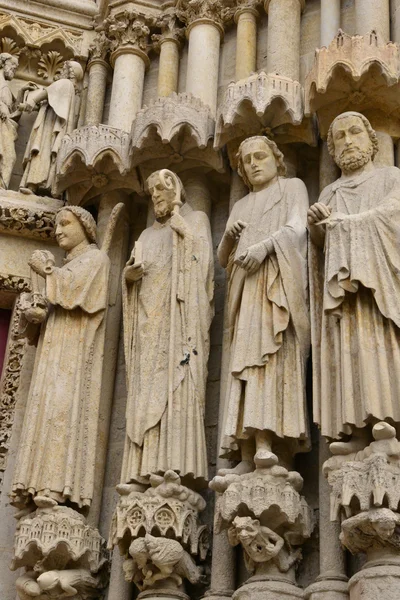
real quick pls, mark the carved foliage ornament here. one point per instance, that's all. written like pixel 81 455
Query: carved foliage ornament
pixel 170 29
pixel 217 11
pixel 127 29
pixel 100 47
pixel 29 222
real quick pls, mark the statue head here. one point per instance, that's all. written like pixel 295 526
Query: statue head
pixel 166 190
pixel 9 65
pixel 260 162
pixel 72 70
pixel 351 141
pixel 74 225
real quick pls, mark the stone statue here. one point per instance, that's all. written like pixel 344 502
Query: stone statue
pixel 57 116
pixel 57 452
pixel 167 308
pixel 355 261
pixel 8 126
pixel 264 251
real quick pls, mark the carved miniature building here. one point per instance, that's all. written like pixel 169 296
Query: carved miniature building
pixel 199 292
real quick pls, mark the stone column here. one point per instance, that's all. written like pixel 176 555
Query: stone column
pixel 129 60
pixel 246 38
pixel 330 20
pixel 395 20
pixel 283 49
pixel 328 170
pixel 204 31
pixel 385 156
pixel 98 69
pixel 197 192
pixel 373 16
pixel 168 43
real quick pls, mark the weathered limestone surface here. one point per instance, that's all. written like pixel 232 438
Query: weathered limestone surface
pixel 156 316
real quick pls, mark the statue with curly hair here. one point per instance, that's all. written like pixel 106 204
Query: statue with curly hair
pixel 264 250
pixel 355 288
pixel 59 441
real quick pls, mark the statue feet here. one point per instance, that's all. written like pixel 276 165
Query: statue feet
pixel 27 191
pixel 265 458
pixel 45 502
pixel 344 448
pixel 245 466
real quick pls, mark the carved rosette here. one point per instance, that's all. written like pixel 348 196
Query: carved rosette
pixel 175 128
pixel 159 533
pixel 128 32
pixel 93 160
pixel 214 12
pixel 354 72
pixel 59 551
pixel 260 101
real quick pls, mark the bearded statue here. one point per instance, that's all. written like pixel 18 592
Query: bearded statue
pixel 355 261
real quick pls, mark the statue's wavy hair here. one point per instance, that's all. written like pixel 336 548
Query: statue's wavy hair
pixel 275 150
pixel 371 132
pixel 170 180
pixel 85 219
pixel 5 57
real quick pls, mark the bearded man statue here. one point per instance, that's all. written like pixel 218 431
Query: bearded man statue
pixel 355 286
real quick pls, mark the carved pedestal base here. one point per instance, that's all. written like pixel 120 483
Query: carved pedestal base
pixel 159 534
pixel 376 582
pixel 62 556
pixel 327 589
pixel 259 589
pixel 265 513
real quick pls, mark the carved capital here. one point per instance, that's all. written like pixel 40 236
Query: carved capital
pixel 100 48
pixel 246 6
pixel 171 31
pixel 214 12
pixel 128 32
pixel 268 2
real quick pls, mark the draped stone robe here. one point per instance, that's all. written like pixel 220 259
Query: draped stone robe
pixel 57 451
pixel 355 305
pixel 8 135
pixel 269 321
pixel 55 118
pixel 160 436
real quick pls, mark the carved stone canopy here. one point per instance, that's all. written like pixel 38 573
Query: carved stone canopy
pixel 262 100
pixel 94 160
pixel 177 128
pixel 354 73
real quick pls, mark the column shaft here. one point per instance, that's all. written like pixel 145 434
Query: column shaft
pixel 168 69
pixel 246 44
pixel 203 63
pixel 197 192
pixel 283 49
pixel 127 90
pixel 385 156
pixel 330 20
pixel 98 70
pixel 395 20
pixel 373 16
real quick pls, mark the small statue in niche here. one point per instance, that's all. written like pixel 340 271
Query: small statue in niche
pixel 264 251
pixel 8 117
pixel 57 452
pixel 168 308
pixel 57 105
pixel 355 286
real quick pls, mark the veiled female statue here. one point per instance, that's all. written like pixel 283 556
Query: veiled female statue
pixel 57 450
pixel 264 252
pixel 168 308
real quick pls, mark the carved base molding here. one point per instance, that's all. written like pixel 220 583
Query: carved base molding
pixel 376 582
pixel 267 589
pixel 327 589
pixel 61 554
pixel 159 534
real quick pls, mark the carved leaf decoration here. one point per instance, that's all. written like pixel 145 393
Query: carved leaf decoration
pixel 50 64
pixel 8 45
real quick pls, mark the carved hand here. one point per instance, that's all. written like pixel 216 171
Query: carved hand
pixel 255 256
pixel 234 230
pixel 40 262
pixel 318 212
pixel 178 224
pixel 134 272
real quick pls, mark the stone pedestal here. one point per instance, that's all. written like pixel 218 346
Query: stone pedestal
pixel 376 582
pixel 159 534
pixel 327 589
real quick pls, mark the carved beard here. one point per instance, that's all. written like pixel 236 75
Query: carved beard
pixel 354 161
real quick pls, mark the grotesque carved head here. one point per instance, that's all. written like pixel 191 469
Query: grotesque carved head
pixel 166 190
pixel 259 162
pixel 9 64
pixel 351 141
pixel 74 225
